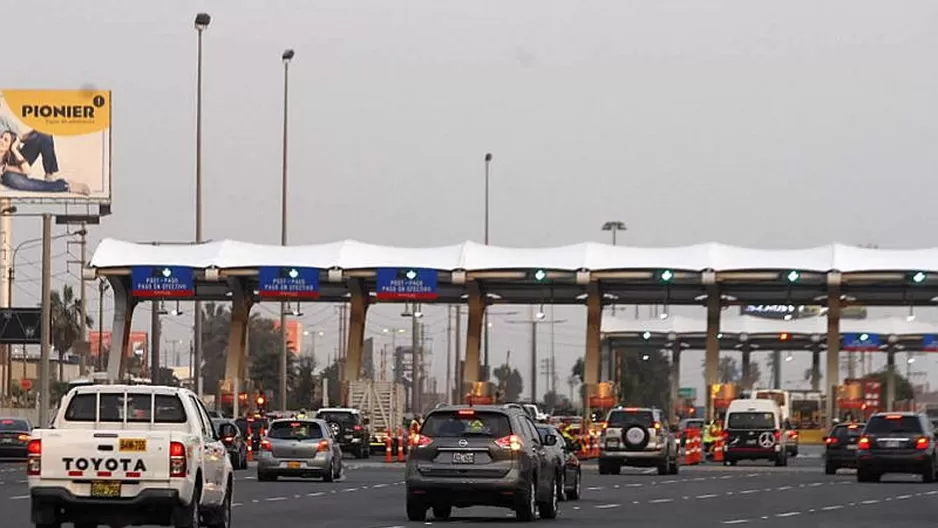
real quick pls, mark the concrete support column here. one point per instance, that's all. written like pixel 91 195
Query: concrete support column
pixel 816 367
pixel 891 378
pixel 358 311
pixel 472 367
pixel 833 346
pixel 746 349
pixel 777 368
pixel 124 304
pixel 591 360
pixel 675 377
pixel 712 365
pixel 236 359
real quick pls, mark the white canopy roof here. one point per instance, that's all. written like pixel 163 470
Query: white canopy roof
pixel 754 325
pixel 470 256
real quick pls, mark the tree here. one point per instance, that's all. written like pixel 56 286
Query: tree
pixel 645 379
pixel 66 322
pixel 509 382
pixel 729 371
pixel 904 390
pixel 578 369
pixel 302 397
pixel 331 375
pixel 264 353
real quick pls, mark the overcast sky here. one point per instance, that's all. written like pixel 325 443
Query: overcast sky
pixel 782 124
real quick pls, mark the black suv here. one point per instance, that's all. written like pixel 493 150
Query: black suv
pixel 481 456
pixel 840 449
pixel 896 443
pixel 349 428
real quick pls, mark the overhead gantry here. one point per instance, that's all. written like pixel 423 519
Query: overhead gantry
pixel 595 275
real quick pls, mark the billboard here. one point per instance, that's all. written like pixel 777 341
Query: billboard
pixel 55 145
pixel 139 341
pixel 294 335
pixel 790 311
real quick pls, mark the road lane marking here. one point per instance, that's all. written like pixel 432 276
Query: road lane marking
pixel 870 501
pixel 736 521
pixel 660 501
pixel 787 514
pixel 315 494
pixel 19 497
pixel 833 507
pixel 275 499
pixel 707 496
pixel 606 506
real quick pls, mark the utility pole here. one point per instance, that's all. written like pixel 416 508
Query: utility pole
pixel 6 255
pixel 449 352
pixel 415 358
pixel 82 243
pixel 46 324
pixel 103 287
pixel 536 318
pixel 155 331
pixel 457 372
pixel 614 226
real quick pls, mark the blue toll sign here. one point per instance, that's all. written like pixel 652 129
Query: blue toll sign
pixel 413 284
pixel 162 281
pixel 295 283
pixel 930 343
pixel 860 341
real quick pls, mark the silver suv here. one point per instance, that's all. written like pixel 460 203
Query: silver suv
pixel 637 437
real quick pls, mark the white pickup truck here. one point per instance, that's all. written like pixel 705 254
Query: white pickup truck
pixel 120 455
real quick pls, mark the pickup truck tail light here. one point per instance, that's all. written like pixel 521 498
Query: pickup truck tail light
pixel 177 460
pixel 323 446
pixel 34 457
pixel 830 440
pixel 921 443
pixel 512 442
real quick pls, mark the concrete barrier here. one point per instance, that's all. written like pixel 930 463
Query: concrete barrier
pixel 811 436
pixel 15 412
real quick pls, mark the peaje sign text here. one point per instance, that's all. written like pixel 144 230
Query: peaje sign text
pixel 412 284
pixel 55 145
pixel 295 283
pixel 162 281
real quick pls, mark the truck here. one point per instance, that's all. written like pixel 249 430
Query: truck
pixel 120 455
pixel 382 403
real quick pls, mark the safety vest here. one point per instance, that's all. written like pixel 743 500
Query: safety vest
pixel 414 427
pixel 708 434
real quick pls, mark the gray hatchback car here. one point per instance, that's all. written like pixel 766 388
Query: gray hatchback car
pixel 481 456
pixel 299 448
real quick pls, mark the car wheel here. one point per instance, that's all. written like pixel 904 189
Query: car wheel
pixel 574 493
pixel 329 476
pixel 830 469
pixel 562 487
pixel 244 459
pixel 416 510
pixel 665 467
pixel 442 512
pixel 265 477
pixel 526 509
pixel 221 518
pixel 548 509
pixel 929 474
pixel 189 516
pixel 675 467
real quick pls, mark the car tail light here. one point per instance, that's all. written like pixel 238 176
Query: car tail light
pixel 265 445
pixel 726 435
pixel 228 439
pixel 863 443
pixel 656 425
pixel 894 417
pixel 830 440
pixel 34 457
pixel 512 442
pixel 357 428
pixel 921 443
pixel 466 412
pixel 23 438
pixel 778 435
pixel 793 434
pixel 605 425
pixel 177 460
pixel 323 446
pixel 422 440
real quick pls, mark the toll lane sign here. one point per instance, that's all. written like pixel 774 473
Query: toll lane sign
pixel 861 342
pixel 930 343
pixel 162 281
pixel 295 283
pixel 412 284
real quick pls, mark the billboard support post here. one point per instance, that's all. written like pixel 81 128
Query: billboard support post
pixel 6 225
pixel 46 325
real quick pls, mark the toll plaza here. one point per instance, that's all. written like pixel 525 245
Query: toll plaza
pixel 711 275
pixel 746 335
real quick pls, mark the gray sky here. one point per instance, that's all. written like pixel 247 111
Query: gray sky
pixel 751 123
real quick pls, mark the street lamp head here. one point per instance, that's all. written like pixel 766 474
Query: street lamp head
pixel 202 20
pixel 80 232
pixel 488 156
pixel 288 55
pixel 614 226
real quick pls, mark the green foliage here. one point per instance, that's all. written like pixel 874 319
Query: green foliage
pixel 904 389
pixel 645 382
pixel 66 321
pixel 510 383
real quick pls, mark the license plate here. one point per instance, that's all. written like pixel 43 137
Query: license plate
pixel 892 444
pixel 613 443
pixel 852 447
pixel 133 445
pixel 464 458
pixel 105 489
pixel 751 442
pixel 293 465
pixel 6 440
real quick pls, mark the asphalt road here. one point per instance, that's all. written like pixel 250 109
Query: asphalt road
pixel 372 496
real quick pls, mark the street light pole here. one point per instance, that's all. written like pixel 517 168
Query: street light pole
pixel 615 226
pixel 45 331
pixel 485 318
pixel 202 20
pixel 286 57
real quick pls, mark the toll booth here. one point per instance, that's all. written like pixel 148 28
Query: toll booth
pixel 858 399
pixel 481 393
pixel 721 395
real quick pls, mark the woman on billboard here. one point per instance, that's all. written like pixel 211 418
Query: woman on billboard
pixel 14 171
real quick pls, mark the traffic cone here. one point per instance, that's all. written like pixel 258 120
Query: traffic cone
pixel 595 440
pixel 400 444
pixel 250 454
pixel 718 449
pixel 388 451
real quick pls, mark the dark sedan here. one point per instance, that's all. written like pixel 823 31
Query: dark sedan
pixel 568 465
pixel 234 441
pixel 14 437
pixel 897 443
pixel 840 449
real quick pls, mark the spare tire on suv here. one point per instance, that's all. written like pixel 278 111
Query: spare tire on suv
pixel 635 436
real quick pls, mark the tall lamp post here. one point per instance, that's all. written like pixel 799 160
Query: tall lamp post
pixel 286 57
pixel 614 227
pixel 202 20
pixel 486 375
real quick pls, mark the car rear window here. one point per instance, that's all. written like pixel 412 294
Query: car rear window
pixel 295 431
pixel 136 407
pixel 692 424
pixel 897 424
pixel 621 418
pixel 751 420
pixel 341 418
pixel 8 424
pixel 451 424
pixel 845 432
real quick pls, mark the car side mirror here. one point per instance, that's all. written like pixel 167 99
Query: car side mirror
pixel 550 440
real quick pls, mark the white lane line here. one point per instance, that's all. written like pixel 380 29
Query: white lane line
pixel 346 490
pixel 787 514
pixel 748 491
pixel 236 504
pixel 659 501
pixel 634 485
pixel 607 506
pixel 275 499
pixel 594 488
pixel 871 501
pixel 736 521
pixel 815 484
pixel 783 488
pixel 832 508
pixel 19 497
pixel 315 494
pixel 903 497
pixel 380 486
pixel 707 496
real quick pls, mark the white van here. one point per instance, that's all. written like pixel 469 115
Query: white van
pixel 754 430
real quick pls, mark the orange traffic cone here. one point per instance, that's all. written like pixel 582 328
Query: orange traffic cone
pixel 388 451
pixel 718 449
pixel 400 444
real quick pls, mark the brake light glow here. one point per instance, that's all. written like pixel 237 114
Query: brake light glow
pixel 852 426
pixel 921 443
pixel 830 440
pixel 863 443
pixel 177 460
pixel 512 442
pixel 792 434
pixel 23 437
pixel 228 439
pixel 294 424
pixel 265 445
pixel 630 409
pixel 894 417
pixel 466 412
pixel 34 457
pixel 6 422
pixel 357 428
pixel 323 446
pixel 605 425
pixel 778 435
pixel 422 440
pixel 657 425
